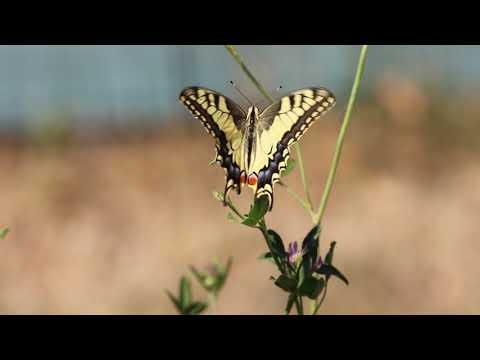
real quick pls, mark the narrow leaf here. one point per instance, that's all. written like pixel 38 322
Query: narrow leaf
pixel 233 218
pixel 330 270
pixel 303 272
pixel 198 275
pixel 291 300
pixel 276 243
pixel 223 274
pixel 310 248
pixel 286 284
pixel 228 267
pixel 196 308
pixel 218 196
pixel 329 256
pixel 4 232
pixel 277 248
pixel 185 293
pixel 311 287
pixel 175 302
pixel 259 209
pixel 267 256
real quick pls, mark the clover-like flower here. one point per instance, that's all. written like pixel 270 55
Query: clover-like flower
pixel 294 254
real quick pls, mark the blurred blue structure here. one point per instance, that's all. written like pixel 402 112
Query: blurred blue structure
pixel 114 85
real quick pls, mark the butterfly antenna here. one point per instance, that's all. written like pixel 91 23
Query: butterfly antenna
pixel 236 88
pixel 277 90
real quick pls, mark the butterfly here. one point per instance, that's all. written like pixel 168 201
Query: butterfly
pixel 254 147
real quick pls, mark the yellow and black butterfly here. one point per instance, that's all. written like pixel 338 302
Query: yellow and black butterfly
pixel 253 148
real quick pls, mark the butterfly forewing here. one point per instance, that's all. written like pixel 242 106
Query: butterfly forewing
pixel 224 120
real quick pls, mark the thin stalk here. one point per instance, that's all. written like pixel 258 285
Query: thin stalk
pixel 313 305
pixel 303 176
pixel 299 305
pixel 297 197
pixel 213 303
pixel 341 136
pixel 236 55
pixel 233 208
pixel 262 226
pixel 321 301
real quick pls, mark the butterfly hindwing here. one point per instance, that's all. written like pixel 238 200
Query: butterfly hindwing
pixel 224 120
pixel 281 125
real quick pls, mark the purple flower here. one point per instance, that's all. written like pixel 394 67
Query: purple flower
pixel 293 253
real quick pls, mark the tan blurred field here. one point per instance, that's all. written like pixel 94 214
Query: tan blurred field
pixel 105 227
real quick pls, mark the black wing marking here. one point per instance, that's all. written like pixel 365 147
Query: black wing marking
pixel 225 121
pixel 284 123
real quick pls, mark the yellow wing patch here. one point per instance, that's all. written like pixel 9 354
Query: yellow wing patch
pixel 281 125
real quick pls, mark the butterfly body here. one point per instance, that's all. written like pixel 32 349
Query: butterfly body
pixel 253 147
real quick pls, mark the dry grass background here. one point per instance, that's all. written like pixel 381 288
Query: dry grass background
pixel 106 227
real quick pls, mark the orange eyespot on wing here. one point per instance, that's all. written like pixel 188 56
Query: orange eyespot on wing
pixel 252 180
pixel 243 177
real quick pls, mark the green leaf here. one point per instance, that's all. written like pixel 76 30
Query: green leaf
pixel 213 162
pixel 233 218
pixel 330 270
pixel 206 281
pixel 4 232
pixel 175 302
pixel 290 167
pixel 198 275
pixel 196 308
pixel 223 274
pixel 329 256
pixel 259 209
pixel 302 272
pixel 311 287
pixel 226 272
pixel 267 256
pixel 310 248
pixel 276 243
pixel 185 292
pixel 286 283
pixel 218 196
pixel 291 300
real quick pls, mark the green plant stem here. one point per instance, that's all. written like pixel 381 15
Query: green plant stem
pixel 294 194
pixel 317 307
pixel 341 136
pixel 299 305
pixel 213 303
pixel 262 226
pixel 304 177
pixel 233 208
pixel 313 305
pixel 236 55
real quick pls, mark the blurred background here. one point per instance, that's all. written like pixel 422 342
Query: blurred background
pixel 106 187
